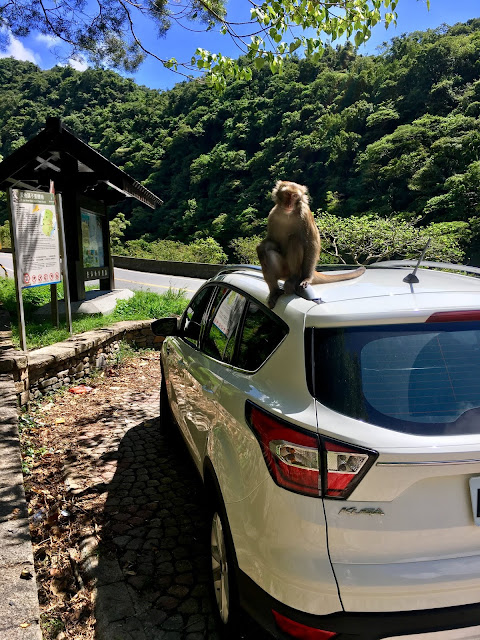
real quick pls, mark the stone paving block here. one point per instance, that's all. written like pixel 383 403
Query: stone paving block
pixel 108 571
pixel 113 602
pixel 130 629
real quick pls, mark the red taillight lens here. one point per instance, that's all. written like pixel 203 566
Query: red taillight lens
pixel 345 466
pixel 292 455
pixel 454 316
pixel 302 462
pixel 298 630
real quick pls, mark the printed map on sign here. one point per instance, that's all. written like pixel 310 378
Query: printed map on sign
pixel 49 224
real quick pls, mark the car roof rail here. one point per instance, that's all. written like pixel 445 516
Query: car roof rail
pixel 240 267
pixel 255 267
pixel 424 263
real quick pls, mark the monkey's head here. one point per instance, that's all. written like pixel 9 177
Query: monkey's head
pixel 288 194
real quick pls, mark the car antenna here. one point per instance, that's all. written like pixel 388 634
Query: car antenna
pixel 411 278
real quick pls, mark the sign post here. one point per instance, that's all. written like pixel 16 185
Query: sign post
pixel 66 287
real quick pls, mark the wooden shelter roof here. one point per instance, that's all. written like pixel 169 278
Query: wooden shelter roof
pixel 57 154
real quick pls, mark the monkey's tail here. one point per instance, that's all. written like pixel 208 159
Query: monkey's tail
pixel 323 278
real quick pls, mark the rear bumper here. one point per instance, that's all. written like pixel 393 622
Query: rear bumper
pixel 355 626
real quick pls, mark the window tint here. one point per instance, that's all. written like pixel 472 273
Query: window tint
pixel 194 314
pixel 226 312
pixel 409 378
pixel 261 335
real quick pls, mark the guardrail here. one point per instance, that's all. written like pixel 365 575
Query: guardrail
pixel 169 267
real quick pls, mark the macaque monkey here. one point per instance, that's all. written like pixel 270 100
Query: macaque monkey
pixel 291 249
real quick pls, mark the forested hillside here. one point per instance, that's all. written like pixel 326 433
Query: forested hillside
pixel 397 134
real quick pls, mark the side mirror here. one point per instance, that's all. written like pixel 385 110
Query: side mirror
pixel 165 327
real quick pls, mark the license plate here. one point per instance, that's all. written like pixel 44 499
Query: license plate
pixel 475 495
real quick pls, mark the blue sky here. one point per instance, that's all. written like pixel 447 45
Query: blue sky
pixel 412 15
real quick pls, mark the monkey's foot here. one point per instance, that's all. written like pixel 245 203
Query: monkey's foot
pixel 290 285
pixel 273 297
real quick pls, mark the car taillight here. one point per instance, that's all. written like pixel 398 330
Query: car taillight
pixel 345 466
pixel 304 463
pixel 454 316
pixel 291 455
pixel 298 630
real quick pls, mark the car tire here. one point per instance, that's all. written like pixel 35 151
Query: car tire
pixel 223 587
pixel 166 417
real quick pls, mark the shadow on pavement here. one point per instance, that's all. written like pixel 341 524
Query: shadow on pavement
pixel 152 572
pixel 154 560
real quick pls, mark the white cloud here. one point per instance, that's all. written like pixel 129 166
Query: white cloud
pixel 79 63
pixel 50 41
pixel 16 49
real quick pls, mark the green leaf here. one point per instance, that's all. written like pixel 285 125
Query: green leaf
pixel 359 38
pixel 294 45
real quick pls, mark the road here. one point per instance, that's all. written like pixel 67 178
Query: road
pixel 126 279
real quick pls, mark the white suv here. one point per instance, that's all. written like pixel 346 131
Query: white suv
pixel 340 445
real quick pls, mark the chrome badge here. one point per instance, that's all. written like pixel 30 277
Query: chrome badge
pixel 369 511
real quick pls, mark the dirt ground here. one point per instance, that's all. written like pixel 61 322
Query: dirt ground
pixel 55 436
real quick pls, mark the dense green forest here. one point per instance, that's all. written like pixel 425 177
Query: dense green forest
pixel 396 135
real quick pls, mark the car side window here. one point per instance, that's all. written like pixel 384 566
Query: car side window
pixel 220 337
pixel 192 320
pixel 261 334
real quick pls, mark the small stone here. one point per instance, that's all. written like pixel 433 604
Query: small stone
pixel 182 566
pixel 167 602
pixel 122 541
pixel 189 606
pixel 179 591
pixel 195 623
pixel 137 582
pixel 173 624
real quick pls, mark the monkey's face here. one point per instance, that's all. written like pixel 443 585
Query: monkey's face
pixel 288 194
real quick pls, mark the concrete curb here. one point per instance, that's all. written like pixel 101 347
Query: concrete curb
pixel 19 609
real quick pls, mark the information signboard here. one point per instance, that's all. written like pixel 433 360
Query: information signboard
pixel 92 240
pixel 37 243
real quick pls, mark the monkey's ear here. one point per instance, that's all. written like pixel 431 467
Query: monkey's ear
pixel 275 189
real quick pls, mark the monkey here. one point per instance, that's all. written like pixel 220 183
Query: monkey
pixel 291 250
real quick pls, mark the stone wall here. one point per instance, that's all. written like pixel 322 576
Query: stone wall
pixel 36 373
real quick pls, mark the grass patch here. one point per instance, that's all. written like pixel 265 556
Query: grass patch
pixel 144 305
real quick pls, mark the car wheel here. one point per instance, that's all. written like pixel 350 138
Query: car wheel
pixel 222 576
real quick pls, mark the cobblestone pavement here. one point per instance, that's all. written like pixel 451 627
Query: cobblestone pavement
pixel 152 564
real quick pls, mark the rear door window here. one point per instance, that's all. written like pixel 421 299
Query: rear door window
pixel 221 333
pixel 261 335
pixel 416 379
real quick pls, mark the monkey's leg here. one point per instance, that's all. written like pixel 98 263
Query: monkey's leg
pixel 294 259
pixel 273 267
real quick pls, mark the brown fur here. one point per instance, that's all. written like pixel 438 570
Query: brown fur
pixel 291 249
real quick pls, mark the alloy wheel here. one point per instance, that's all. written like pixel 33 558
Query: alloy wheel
pixel 220 568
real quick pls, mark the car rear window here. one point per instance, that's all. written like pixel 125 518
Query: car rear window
pixel 420 379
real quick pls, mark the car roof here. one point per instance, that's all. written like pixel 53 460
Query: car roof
pixel 379 296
